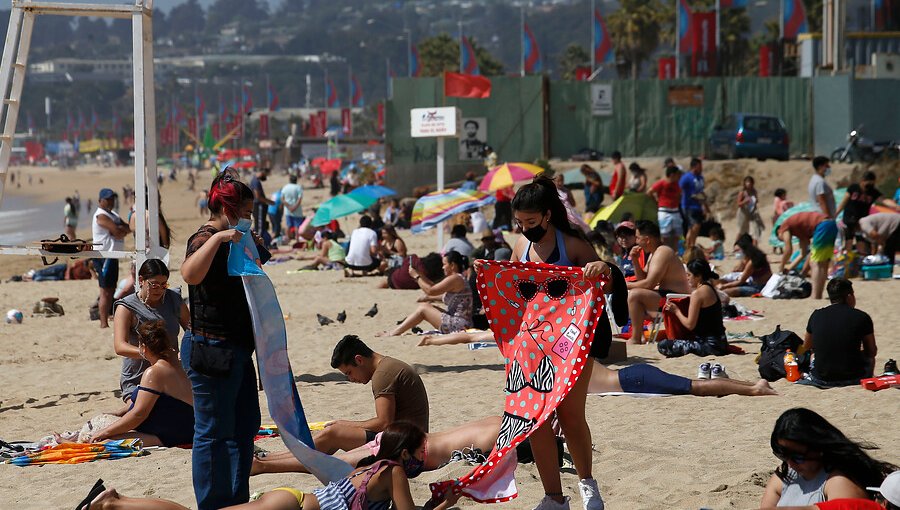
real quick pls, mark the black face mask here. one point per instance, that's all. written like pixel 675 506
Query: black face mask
pixel 413 467
pixel 535 233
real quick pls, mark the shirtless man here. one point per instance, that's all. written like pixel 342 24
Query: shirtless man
pixel 481 434
pixel 663 275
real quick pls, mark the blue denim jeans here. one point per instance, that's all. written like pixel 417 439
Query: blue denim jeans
pixel 226 419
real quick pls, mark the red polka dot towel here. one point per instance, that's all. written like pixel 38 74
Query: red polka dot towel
pixel 543 318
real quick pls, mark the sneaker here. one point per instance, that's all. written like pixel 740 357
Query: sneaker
pixel 549 503
pixel 890 367
pixel 590 494
pixel 718 372
pixel 704 371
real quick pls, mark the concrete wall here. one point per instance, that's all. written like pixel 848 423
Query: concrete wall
pixel 841 104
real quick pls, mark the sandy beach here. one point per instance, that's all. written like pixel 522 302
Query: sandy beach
pixel 674 452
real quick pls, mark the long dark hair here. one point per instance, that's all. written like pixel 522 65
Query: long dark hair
pixel 541 196
pixel 398 436
pixel 838 452
pixel 751 252
pixel 700 267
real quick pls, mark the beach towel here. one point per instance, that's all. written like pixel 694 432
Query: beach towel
pixel 275 372
pixel 77 453
pixel 543 318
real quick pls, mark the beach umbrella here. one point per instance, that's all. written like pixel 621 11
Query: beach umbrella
pixel 775 241
pixel 340 206
pixel 373 190
pixel 507 174
pixel 438 206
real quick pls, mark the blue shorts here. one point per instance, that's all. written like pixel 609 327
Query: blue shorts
pixel 107 272
pixel 645 378
pixel 293 221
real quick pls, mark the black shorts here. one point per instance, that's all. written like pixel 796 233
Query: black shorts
pixel 107 272
pixel 371 267
pixel 694 217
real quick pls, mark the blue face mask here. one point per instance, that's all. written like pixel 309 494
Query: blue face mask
pixel 827 171
pixel 243 225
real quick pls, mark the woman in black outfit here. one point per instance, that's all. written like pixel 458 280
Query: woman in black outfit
pixel 216 353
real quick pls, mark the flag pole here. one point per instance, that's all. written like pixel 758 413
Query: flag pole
pixel 461 49
pixel 677 39
pixel 349 85
pixel 592 46
pixel 522 40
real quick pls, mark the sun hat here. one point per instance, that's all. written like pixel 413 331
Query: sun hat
pixel 890 488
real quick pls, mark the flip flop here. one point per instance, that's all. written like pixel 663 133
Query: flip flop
pixel 95 491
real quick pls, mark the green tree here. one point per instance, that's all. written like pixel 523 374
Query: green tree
pixel 575 56
pixel 222 12
pixel 441 53
pixel 635 31
pixel 187 20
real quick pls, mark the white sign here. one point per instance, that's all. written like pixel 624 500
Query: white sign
pixel 601 99
pixel 434 122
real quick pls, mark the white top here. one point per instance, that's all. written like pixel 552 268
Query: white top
pixel 103 239
pixel 290 195
pixel 361 240
pixel 817 186
pixel 479 222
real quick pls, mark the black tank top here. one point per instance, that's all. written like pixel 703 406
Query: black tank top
pixel 709 323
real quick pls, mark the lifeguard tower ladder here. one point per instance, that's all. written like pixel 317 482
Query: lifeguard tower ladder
pixel 12 78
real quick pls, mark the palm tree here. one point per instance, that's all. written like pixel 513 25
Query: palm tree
pixel 635 31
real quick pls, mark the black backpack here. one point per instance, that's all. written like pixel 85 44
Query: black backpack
pixel 771 353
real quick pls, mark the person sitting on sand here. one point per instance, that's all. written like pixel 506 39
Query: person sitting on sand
pixel 493 246
pixel 161 411
pixel 152 302
pixel 362 255
pixel 842 339
pixel 704 317
pixel 457 296
pixel 392 248
pixel 480 435
pixel 818 463
pixel 755 272
pixel 379 481
pixel 663 275
pixel 458 242
pixel 331 254
pixel 428 266
pixel 398 390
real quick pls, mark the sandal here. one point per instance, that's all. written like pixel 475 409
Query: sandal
pixel 95 491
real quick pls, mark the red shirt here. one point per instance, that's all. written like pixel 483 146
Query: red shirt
pixel 849 504
pixel 668 193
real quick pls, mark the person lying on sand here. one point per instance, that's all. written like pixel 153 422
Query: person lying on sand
pixel 479 434
pixel 380 480
pixel 639 378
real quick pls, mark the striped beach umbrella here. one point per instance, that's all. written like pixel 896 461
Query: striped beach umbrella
pixel 438 206
pixel 507 174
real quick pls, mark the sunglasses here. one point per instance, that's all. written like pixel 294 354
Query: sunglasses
pixel 154 285
pixel 789 456
pixel 556 288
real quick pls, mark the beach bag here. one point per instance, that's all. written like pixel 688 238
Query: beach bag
pixel 771 353
pixel 792 287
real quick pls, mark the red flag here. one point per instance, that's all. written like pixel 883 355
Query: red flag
pixel 666 69
pixel 466 85
pixel 263 126
pixel 379 125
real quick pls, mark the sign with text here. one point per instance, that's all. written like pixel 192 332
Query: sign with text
pixel 602 99
pixel 686 95
pixel 434 122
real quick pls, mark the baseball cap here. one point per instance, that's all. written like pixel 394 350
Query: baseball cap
pixel 890 488
pixel 106 193
pixel 626 224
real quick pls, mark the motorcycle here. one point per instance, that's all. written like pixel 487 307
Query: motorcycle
pixel 859 148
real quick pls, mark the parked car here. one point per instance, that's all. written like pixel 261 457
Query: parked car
pixel 750 135
pixel 587 154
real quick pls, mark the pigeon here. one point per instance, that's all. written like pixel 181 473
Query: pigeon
pixel 372 311
pixel 341 317
pixel 323 321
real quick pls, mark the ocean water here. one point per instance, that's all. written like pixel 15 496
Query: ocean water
pixel 23 221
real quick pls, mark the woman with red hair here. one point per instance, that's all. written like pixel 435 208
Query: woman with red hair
pixel 216 352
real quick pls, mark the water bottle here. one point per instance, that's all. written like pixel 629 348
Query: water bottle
pixel 791 369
